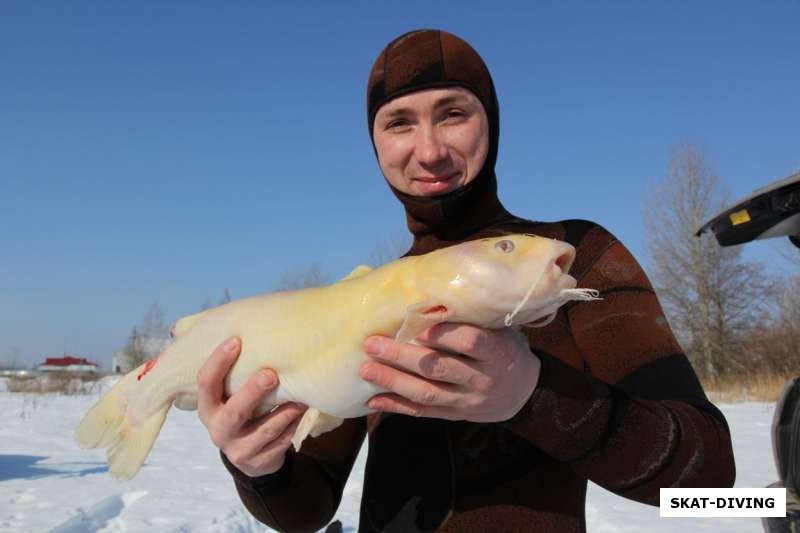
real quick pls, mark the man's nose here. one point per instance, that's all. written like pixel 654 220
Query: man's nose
pixel 431 149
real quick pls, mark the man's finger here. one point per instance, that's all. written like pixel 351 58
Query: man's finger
pixel 263 431
pixel 415 388
pixel 266 457
pixel 239 407
pixel 392 403
pixel 273 424
pixel 471 341
pixel 211 377
pixel 278 446
pixel 421 360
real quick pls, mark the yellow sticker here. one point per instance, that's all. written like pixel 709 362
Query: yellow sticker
pixel 740 217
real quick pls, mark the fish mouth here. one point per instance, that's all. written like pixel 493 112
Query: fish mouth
pixel 564 296
pixel 566 291
pixel 558 270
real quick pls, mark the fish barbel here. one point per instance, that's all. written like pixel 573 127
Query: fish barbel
pixel 313 337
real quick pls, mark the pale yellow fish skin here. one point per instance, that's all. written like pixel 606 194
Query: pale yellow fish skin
pixel 313 338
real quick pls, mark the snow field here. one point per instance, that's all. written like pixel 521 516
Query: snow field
pixel 48 484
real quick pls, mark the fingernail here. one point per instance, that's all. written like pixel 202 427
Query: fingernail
pixel 373 346
pixel 231 344
pixel 265 380
pixel 368 372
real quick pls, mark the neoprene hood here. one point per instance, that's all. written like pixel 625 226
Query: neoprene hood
pixel 426 59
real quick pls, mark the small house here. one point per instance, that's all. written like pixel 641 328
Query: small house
pixel 67 363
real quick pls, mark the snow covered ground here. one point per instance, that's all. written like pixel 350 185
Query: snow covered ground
pixel 48 484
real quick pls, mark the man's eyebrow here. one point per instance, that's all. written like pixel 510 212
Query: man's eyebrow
pixel 453 99
pixel 400 111
pixel 442 102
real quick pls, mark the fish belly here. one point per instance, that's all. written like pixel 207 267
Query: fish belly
pixel 311 339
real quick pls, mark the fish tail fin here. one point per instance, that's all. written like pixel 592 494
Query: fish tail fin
pixel 99 426
pixel 110 424
pixel 133 443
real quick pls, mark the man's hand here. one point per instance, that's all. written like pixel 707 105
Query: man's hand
pixel 457 372
pixel 256 447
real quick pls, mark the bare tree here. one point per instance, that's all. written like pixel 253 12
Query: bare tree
pixel 134 352
pixel 12 360
pixel 147 339
pixel 153 324
pixel 710 294
pixel 314 276
pixel 776 346
pixel 226 297
pixel 787 325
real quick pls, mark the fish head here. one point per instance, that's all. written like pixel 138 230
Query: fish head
pixel 500 281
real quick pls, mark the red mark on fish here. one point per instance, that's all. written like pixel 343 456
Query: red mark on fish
pixel 148 366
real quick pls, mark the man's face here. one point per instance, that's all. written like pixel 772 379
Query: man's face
pixel 431 142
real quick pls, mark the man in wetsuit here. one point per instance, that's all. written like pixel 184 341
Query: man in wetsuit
pixel 480 430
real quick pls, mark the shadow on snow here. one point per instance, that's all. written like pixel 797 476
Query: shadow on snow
pixel 28 467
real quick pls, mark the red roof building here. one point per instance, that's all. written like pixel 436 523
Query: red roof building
pixel 68 363
pixel 67 360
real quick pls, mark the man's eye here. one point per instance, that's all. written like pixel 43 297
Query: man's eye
pixel 396 125
pixel 456 114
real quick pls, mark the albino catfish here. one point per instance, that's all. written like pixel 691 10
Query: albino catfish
pixel 313 337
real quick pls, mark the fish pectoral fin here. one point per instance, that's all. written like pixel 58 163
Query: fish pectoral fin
pixel 313 424
pixel 420 317
pixel 358 271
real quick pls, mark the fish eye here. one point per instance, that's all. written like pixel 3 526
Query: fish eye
pixel 504 246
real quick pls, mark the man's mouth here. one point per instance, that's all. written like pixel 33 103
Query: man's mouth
pixel 437 184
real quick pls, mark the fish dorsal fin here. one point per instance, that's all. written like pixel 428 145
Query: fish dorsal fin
pixel 313 424
pixel 420 317
pixel 185 324
pixel 358 271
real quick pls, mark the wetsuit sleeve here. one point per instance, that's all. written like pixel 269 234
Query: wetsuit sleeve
pixel 635 417
pixel 305 493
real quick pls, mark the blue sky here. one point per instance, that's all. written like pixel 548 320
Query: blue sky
pixel 167 150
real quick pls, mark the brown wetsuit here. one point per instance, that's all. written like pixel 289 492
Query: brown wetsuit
pixel 617 401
